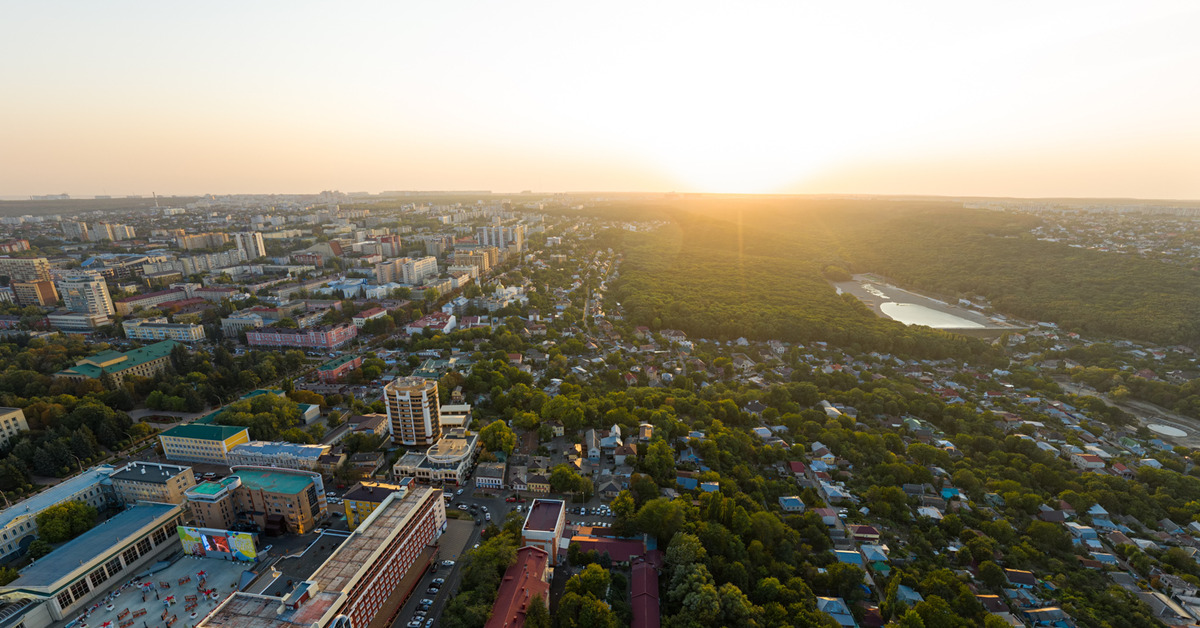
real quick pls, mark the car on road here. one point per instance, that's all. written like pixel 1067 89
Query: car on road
pixel 416 623
pixel 463 507
pixel 439 581
pixel 447 563
pixel 487 516
pixel 458 492
pixel 427 602
pixel 483 508
pixel 429 623
pixel 511 499
pixel 432 591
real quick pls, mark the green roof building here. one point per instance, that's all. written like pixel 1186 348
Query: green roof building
pixel 145 362
pixel 202 442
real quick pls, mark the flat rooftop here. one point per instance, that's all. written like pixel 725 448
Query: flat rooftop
pixel 203 432
pixel 274 481
pixel 296 450
pixel 59 564
pixel 211 487
pixel 456 444
pixel 55 494
pixel 543 515
pixel 149 473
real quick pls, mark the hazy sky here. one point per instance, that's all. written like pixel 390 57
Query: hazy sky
pixel 990 98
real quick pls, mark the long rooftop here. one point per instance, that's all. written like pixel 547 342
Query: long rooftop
pixel 276 481
pixel 58 493
pixel 543 515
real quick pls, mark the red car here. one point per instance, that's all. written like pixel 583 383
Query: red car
pixel 511 499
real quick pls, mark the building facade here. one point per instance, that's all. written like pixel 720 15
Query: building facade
pixel 544 525
pixel 152 482
pixel 148 301
pixel 18 523
pixel 86 292
pixel 328 337
pixel 160 329
pixel 25 268
pixel 283 455
pixel 250 243
pixel 147 361
pixel 40 293
pixel 12 422
pixel 196 442
pixel 334 370
pixel 275 500
pixel 448 460
pixel 363 498
pixel 413 411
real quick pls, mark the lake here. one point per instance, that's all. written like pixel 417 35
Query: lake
pixel 913 314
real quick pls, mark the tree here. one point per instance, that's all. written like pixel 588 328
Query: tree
pixel 65 521
pixel 593 580
pixel 498 437
pixel 659 463
pixel 991 575
pixel 537 615
pixel 39 548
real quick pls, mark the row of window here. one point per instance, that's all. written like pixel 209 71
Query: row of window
pixel 80 587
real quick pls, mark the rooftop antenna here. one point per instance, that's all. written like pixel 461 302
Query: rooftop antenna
pixel 155 199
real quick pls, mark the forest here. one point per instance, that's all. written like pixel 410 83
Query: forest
pixel 729 267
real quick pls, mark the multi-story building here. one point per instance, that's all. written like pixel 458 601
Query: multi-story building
pixel 371 314
pixel 202 241
pixel 447 461
pixel 152 482
pixel 41 293
pixel 275 500
pixel 25 268
pixel 14 246
pixel 334 370
pixel 327 337
pixel 196 442
pixel 257 453
pixel 58 587
pixel 544 525
pixel 413 411
pixel 250 243
pixel 359 585
pixel 86 292
pixel 12 422
pixel 440 322
pixel 75 230
pixel 490 475
pixel 76 322
pixel 526 582
pixel 18 523
pixel 233 324
pixel 415 269
pixel 363 498
pixel 160 329
pixel 473 257
pixel 147 361
pixel 147 301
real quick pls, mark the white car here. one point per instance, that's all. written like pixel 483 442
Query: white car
pixel 458 492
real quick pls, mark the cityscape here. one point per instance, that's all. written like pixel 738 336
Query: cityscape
pixel 556 315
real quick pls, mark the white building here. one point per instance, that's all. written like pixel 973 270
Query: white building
pixel 160 329
pixel 86 292
pixel 12 422
pixel 250 243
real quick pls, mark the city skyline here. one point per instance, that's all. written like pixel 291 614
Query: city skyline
pixel 1023 100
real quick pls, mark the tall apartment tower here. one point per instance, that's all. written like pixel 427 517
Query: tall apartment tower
pixel 35 292
pixel 75 230
pixel 250 243
pixel 86 292
pixel 25 268
pixel 413 411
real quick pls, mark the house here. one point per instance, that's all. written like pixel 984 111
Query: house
pixel 828 516
pixel 908 595
pixel 622 453
pixel 863 533
pixel 850 557
pixel 591 443
pixel 791 503
pixel 687 483
pixel 836 608
pixel 609 488
pixel 797 468
pixel 538 484
pixel 1020 579
pixel 710 487
pixel 644 595
pixel 1079 531
pixel 1087 462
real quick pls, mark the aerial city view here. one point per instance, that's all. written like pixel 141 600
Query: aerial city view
pixel 565 315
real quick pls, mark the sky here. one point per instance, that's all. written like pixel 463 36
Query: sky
pixel 1026 99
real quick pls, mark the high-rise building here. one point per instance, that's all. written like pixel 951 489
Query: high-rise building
pixel 75 230
pixel 250 243
pixel 413 410
pixel 417 269
pixel 25 268
pixel 86 292
pixel 202 241
pixel 35 292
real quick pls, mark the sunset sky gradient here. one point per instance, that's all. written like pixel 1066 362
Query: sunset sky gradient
pixel 951 98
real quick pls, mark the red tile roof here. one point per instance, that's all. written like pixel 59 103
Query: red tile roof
pixel 523 582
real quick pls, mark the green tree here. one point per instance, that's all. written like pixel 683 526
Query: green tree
pixel 498 437
pixel 65 521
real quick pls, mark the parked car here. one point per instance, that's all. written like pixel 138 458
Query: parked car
pixel 439 581
pixel 447 563
pixel 432 591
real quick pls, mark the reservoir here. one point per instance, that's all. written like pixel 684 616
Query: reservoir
pixel 914 314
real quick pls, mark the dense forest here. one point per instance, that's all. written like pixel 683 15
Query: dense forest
pixel 729 267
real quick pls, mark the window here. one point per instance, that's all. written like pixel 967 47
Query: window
pixel 160 535
pixel 130 555
pixel 98 577
pixel 114 567
pixel 143 546
pixel 79 589
pixel 64 599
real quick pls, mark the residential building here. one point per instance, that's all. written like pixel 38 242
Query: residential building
pixel 413 411
pixel 115 366
pixel 407 270
pixel 371 314
pixel 543 527
pixel 148 301
pixel 232 325
pixel 360 582
pixel 479 259
pixel 250 243
pixel 202 241
pixel 363 498
pixel 525 582
pixel 40 293
pixel 456 415
pixel 18 523
pixel 334 370
pixel 12 422
pixel 75 230
pixel 68 580
pixel 277 454
pixel 448 460
pixel 275 500
pixel 325 337
pixel 152 482
pixel 644 595
pixel 86 292
pixel 76 322
pixel 159 329
pixel 197 442
pixel 25 269
pixel 490 475
pixel 440 322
